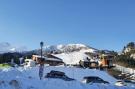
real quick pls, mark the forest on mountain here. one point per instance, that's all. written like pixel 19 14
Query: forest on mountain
pixel 127 56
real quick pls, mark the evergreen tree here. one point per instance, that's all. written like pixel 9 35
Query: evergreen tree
pixel 131 45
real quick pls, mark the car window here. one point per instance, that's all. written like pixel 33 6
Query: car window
pixel 99 79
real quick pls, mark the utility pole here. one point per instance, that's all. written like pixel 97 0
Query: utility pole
pixel 41 67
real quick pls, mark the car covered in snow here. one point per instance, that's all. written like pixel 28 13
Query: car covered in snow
pixel 93 79
pixel 58 75
pixel 120 83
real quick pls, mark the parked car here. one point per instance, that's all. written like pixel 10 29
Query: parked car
pixel 120 83
pixel 94 79
pixel 58 75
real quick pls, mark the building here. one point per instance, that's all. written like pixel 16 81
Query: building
pixel 48 59
pixel 89 63
pixel 106 60
pixel 30 63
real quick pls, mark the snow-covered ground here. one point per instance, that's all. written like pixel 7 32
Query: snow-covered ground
pixel 27 78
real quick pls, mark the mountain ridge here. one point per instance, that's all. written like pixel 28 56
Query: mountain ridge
pixel 6 47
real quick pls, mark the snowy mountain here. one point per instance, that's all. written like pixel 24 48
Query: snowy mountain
pixel 7 47
pixel 56 49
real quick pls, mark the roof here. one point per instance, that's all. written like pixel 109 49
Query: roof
pixel 50 57
pixel 106 55
pixel 28 60
pixel 91 77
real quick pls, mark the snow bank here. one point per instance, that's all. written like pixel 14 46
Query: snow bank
pixel 27 78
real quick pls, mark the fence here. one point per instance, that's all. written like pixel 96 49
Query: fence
pixel 125 70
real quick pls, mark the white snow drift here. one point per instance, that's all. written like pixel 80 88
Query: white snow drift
pixel 27 78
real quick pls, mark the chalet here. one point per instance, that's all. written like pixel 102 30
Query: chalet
pixel 48 59
pixel 94 62
pixel 84 63
pixel 30 63
pixel 89 62
pixel 106 60
pixel 93 59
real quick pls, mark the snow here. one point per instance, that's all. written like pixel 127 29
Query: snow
pixel 89 50
pixel 73 57
pixel 27 78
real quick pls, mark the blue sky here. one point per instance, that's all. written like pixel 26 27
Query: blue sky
pixel 103 24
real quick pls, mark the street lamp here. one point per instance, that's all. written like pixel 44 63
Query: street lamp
pixel 41 67
pixel 41 45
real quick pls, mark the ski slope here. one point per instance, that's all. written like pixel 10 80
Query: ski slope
pixel 72 58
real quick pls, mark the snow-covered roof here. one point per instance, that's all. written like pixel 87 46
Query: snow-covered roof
pixel 28 60
pixel 50 57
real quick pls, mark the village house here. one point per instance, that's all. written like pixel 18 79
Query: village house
pixel 91 61
pixel 48 59
pixel 106 61
pixel 30 63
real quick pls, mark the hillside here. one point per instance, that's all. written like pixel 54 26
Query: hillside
pixel 127 56
pixel 73 57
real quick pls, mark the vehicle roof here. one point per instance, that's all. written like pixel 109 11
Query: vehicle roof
pixel 91 77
